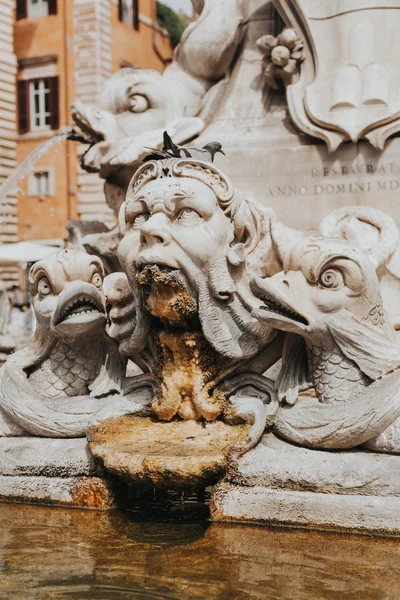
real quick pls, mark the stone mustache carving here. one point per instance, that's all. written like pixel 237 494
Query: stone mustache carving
pixel 72 375
pixel 338 343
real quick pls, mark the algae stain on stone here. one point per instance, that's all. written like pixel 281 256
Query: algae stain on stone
pixel 188 364
pixel 187 373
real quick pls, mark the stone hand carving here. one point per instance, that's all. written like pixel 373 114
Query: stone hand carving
pixel 347 88
pixel 136 105
pixel 338 342
pixel 185 305
pixel 73 375
pixel 282 57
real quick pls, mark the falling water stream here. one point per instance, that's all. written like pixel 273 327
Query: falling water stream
pixel 10 186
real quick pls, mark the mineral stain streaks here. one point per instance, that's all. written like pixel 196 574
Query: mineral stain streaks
pixel 187 362
pixel 167 296
pixel 188 365
pixel 92 492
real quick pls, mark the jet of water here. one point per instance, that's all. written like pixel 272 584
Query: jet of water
pixel 10 186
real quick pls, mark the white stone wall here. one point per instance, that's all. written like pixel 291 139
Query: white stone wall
pixel 92 47
pixel 8 131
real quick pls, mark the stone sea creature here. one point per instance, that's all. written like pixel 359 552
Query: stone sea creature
pixel 136 104
pixel 72 375
pixel 339 349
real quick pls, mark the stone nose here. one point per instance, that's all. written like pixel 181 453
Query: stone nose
pixel 155 231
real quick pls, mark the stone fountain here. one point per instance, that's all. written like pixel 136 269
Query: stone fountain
pixel 267 356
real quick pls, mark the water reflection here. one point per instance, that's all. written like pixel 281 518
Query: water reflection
pixel 60 554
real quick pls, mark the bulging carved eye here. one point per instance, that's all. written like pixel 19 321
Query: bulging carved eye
pixel 44 287
pixel 97 280
pixel 188 214
pixel 140 219
pixel 138 103
pixel 331 278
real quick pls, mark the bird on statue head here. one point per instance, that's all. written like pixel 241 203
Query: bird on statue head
pixel 171 150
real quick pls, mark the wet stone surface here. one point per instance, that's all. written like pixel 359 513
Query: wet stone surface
pixel 172 455
pixel 174 553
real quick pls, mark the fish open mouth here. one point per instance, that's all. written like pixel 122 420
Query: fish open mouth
pixel 274 308
pixel 277 308
pixel 83 307
pixel 83 130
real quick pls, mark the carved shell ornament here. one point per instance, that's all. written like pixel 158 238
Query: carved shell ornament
pixel 282 57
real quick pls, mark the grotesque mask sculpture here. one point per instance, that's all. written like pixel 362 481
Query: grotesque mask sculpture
pixel 186 237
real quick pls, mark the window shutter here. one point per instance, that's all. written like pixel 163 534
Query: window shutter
pixel 23 106
pixel 120 10
pixel 52 7
pixel 22 9
pixel 54 103
pixel 135 4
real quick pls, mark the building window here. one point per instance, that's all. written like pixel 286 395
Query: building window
pixel 40 184
pixel 129 12
pixel 35 8
pixel 38 104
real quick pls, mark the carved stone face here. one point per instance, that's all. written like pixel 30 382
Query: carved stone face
pixel 174 224
pixel 67 294
pixel 322 277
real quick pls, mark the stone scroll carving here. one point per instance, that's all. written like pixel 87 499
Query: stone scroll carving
pixel 347 89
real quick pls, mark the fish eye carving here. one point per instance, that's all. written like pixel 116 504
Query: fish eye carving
pixel 44 287
pixel 331 279
pixel 138 103
pixel 97 280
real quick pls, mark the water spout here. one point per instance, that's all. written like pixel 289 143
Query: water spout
pixel 10 186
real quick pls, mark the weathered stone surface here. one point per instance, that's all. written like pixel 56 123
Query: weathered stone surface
pixel 275 464
pixel 80 492
pixel 281 484
pixel 364 514
pixel 46 457
pixel 58 386
pixel 172 455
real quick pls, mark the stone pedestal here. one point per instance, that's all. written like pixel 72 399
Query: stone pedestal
pixel 283 485
pixel 52 471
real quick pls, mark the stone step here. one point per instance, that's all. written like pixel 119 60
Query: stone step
pixel 49 457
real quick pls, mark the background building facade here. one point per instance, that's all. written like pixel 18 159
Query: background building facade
pixel 53 52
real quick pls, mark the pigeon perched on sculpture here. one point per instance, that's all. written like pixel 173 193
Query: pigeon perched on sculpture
pixel 172 150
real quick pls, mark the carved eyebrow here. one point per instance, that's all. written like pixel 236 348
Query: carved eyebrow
pixel 137 205
pixel 37 273
pixel 175 194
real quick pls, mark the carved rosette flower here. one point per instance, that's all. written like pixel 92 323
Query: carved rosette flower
pixel 282 57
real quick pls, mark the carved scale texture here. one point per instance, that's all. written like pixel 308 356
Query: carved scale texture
pixel 68 371
pixel 334 377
